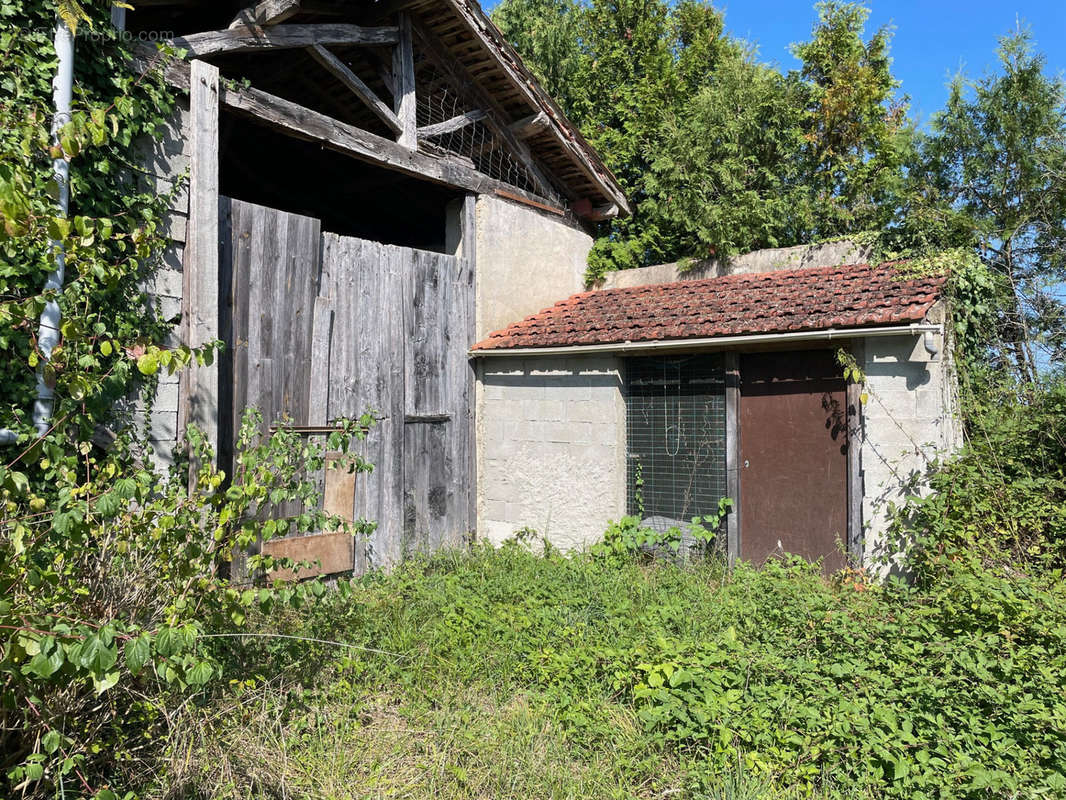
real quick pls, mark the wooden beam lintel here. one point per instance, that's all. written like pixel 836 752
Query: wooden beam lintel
pixel 251 38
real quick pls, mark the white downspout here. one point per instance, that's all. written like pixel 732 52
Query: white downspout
pixel 48 330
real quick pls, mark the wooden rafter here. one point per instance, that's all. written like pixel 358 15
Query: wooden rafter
pixel 250 38
pixel 450 125
pixel 268 12
pixel 530 126
pixel 583 157
pixel 356 86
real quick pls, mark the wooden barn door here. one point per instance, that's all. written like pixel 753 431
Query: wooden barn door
pixel 320 326
pixel 402 324
pixel 793 456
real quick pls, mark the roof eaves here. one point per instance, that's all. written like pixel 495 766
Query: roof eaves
pixel 583 154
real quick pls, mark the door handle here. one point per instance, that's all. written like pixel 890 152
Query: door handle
pixel 745 463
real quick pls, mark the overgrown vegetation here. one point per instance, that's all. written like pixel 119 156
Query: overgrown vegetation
pixel 129 663
pixel 513 673
pixel 113 576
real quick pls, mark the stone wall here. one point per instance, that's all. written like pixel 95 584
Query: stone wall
pixel 910 418
pixel 166 165
pixel 551 448
pixel 527 260
pixel 830 254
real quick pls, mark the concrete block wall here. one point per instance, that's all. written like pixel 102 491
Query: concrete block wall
pixel 910 419
pixel 166 165
pixel 551 448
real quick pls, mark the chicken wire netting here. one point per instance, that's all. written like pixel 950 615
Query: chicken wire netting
pixel 439 101
pixel 675 431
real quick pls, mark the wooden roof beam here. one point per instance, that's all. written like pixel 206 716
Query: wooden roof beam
pixel 450 125
pixel 250 38
pixel 530 126
pixel 355 85
pixel 268 12
pixel 461 77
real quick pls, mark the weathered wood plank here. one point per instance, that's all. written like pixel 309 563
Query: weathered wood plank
pixel 450 125
pixel 355 85
pixel 268 12
pixel 318 388
pixel 363 279
pixel 200 302
pixel 333 553
pixel 249 38
pixel 427 305
pixel 403 76
pixel 466 325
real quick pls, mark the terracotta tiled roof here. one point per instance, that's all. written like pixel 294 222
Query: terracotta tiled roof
pixel 853 296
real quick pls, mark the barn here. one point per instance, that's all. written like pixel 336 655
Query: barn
pixel 664 390
pixel 358 192
pixel 374 205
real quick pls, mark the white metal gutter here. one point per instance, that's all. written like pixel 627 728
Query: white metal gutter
pixel 48 330
pixel 914 329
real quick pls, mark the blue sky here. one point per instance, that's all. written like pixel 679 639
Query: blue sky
pixel 933 39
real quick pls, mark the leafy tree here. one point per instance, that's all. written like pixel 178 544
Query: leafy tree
pixel 726 176
pixel 992 174
pixel 717 152
pixel 856 135
pixel 635 62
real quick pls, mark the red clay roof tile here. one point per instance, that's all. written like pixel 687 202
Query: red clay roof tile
pixel 855 295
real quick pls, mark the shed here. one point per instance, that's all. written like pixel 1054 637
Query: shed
pixel 662 392
pixel 371 188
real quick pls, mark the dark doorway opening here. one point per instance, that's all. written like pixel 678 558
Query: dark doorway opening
pixel 352 198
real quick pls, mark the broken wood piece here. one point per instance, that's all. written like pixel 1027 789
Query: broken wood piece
pixel 268 12
pixel 449 125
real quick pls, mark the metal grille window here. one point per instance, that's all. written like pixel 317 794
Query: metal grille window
pixel 675 426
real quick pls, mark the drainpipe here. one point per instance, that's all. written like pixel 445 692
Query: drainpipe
pixel 48 330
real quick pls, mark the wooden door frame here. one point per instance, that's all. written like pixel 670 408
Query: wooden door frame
pixel 734 449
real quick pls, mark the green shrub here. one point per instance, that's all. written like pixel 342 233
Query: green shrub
pixel 1001 502
pixel 114 601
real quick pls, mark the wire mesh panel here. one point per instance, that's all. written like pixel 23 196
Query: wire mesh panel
pixel 675 425
pixel 439 101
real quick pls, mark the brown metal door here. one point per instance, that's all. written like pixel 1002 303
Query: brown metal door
pixel 793 456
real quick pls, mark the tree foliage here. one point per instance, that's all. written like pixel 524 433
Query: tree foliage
pixel 992 174
pixel 718 152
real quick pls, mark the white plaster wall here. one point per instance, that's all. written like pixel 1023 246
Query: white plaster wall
pixel 166 164
pixel 527 260
pixel 909 420
pixel 551 448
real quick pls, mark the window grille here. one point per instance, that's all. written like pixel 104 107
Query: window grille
pixel 675 426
